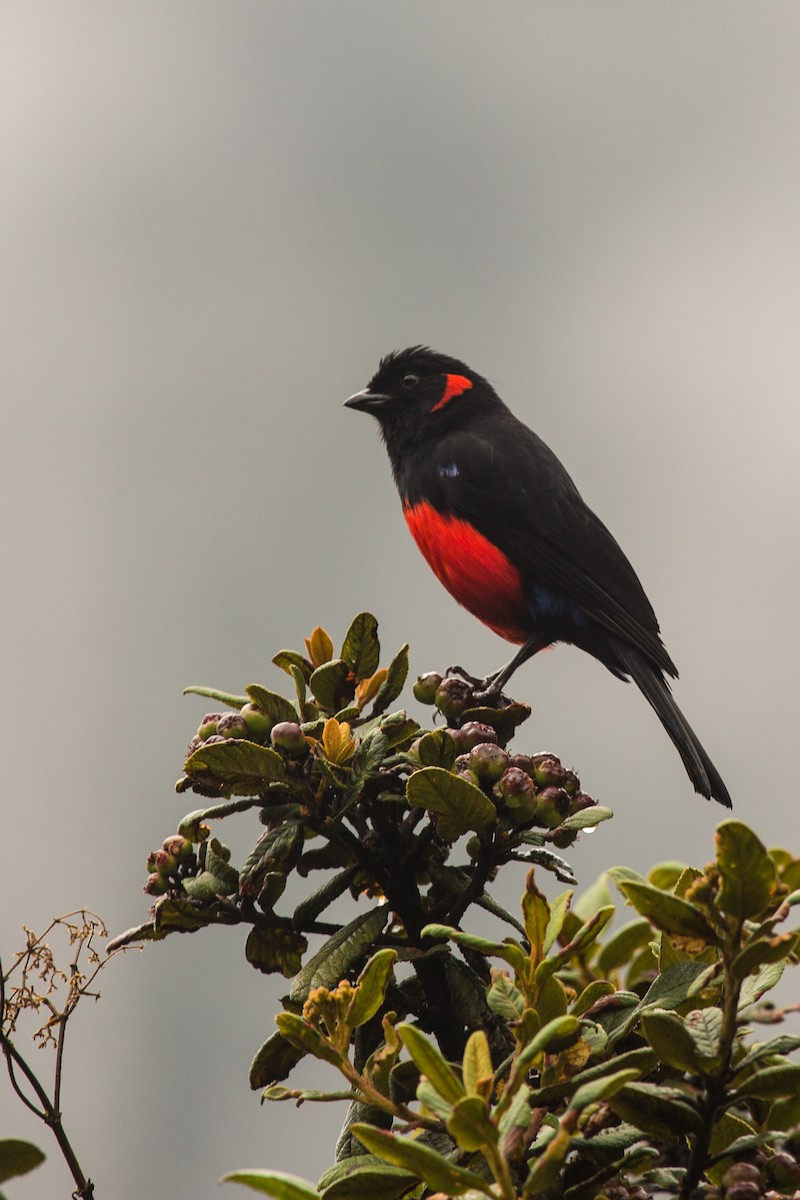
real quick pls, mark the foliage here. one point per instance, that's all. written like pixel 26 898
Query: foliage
pixel 566 1058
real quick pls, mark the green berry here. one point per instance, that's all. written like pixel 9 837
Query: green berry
pixel 548 771
pixel 426 687
pixel 552 806
pixel 453 696
pixel 473 733
pixel 232 725
pixel 289 737
pixel 488 762
pixel 258 723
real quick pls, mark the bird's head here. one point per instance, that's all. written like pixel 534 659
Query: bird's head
pixel 418 393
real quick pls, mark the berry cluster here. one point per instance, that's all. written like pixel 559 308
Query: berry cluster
pixel 169 866
pixel 531 789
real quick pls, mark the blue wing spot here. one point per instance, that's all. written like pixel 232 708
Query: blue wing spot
pixel 546 604
pixel 448 470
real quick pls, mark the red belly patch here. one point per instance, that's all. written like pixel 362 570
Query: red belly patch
pixel 472 569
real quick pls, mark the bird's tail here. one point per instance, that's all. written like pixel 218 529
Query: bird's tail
pixel 704 775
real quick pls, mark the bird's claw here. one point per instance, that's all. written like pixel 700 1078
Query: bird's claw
pixel 486 690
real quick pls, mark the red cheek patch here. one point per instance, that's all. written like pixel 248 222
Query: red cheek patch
pixel 454 386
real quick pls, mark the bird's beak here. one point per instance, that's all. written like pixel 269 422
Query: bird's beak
pixel 367 401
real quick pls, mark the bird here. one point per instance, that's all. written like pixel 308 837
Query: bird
pixel 504 528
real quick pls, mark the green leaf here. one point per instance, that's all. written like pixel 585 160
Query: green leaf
pixel 237 765
pixel 505 998
pixel 278 708
pixel 371 987
pixel 305 1037
pixel 331 685
pixel 553 1037
pixel 756 986
pixel 286 659
pixel 477 1065
pixel 437 749
pixel 315 904
pixel 364 1177
pixel 412 1155
pixel 536 917
pixel 623 944
pixel 784 1044
pixel 226 698
pixel 671 1040
pixel 18 1158
pixel 727 1130
pixel 704 1026
pixel 469 1124
pixel 591 899
pixel 770 1083
pixel 508 949
pixel 274 1183
pixel 668 912
pixel 590 995
pixel 587 818
pixel 661 1111
pixel 670 989
pixel 545 1170
pixel 461 802
pixel 764 950
pixel 361 649
pixel 558 914
pixel 518 1113
pixel 428 1096
pixel 428 1058
pixel 665 875
pixel 392 685
pixel 602 1089
pixel 277 948
pixel 341 951
pixel 182 916
pixel 747 872
pixel 276 848
pixel 274 1061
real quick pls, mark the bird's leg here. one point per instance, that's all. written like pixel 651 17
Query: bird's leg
pixel 492 685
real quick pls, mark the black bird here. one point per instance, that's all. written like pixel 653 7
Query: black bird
pixel 506 531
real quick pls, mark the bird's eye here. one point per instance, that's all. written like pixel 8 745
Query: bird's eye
pixel 409 381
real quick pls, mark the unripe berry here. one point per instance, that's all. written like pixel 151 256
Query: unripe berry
pixel 488 762
pixel 452 697
pixel 288 736
pixel 257 722
pixel 517 789
pixel 524 762
pixel 580 801
pixel 474 733
pixel 156 885
pixel 426 687
pixel 548 771
pixel 208 725
pixel 231 726
pixel 571 784
pixel 552 806
pixel 783 1172
pixel 165 864
pixel 179 847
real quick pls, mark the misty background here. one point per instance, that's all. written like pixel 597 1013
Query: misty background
pixel 214 220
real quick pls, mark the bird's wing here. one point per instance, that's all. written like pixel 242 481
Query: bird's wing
pixel 517 494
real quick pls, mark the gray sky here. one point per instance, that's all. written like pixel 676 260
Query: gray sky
pixel 215 219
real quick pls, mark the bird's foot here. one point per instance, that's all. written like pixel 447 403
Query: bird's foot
pixel 472 680
pixel 487 690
